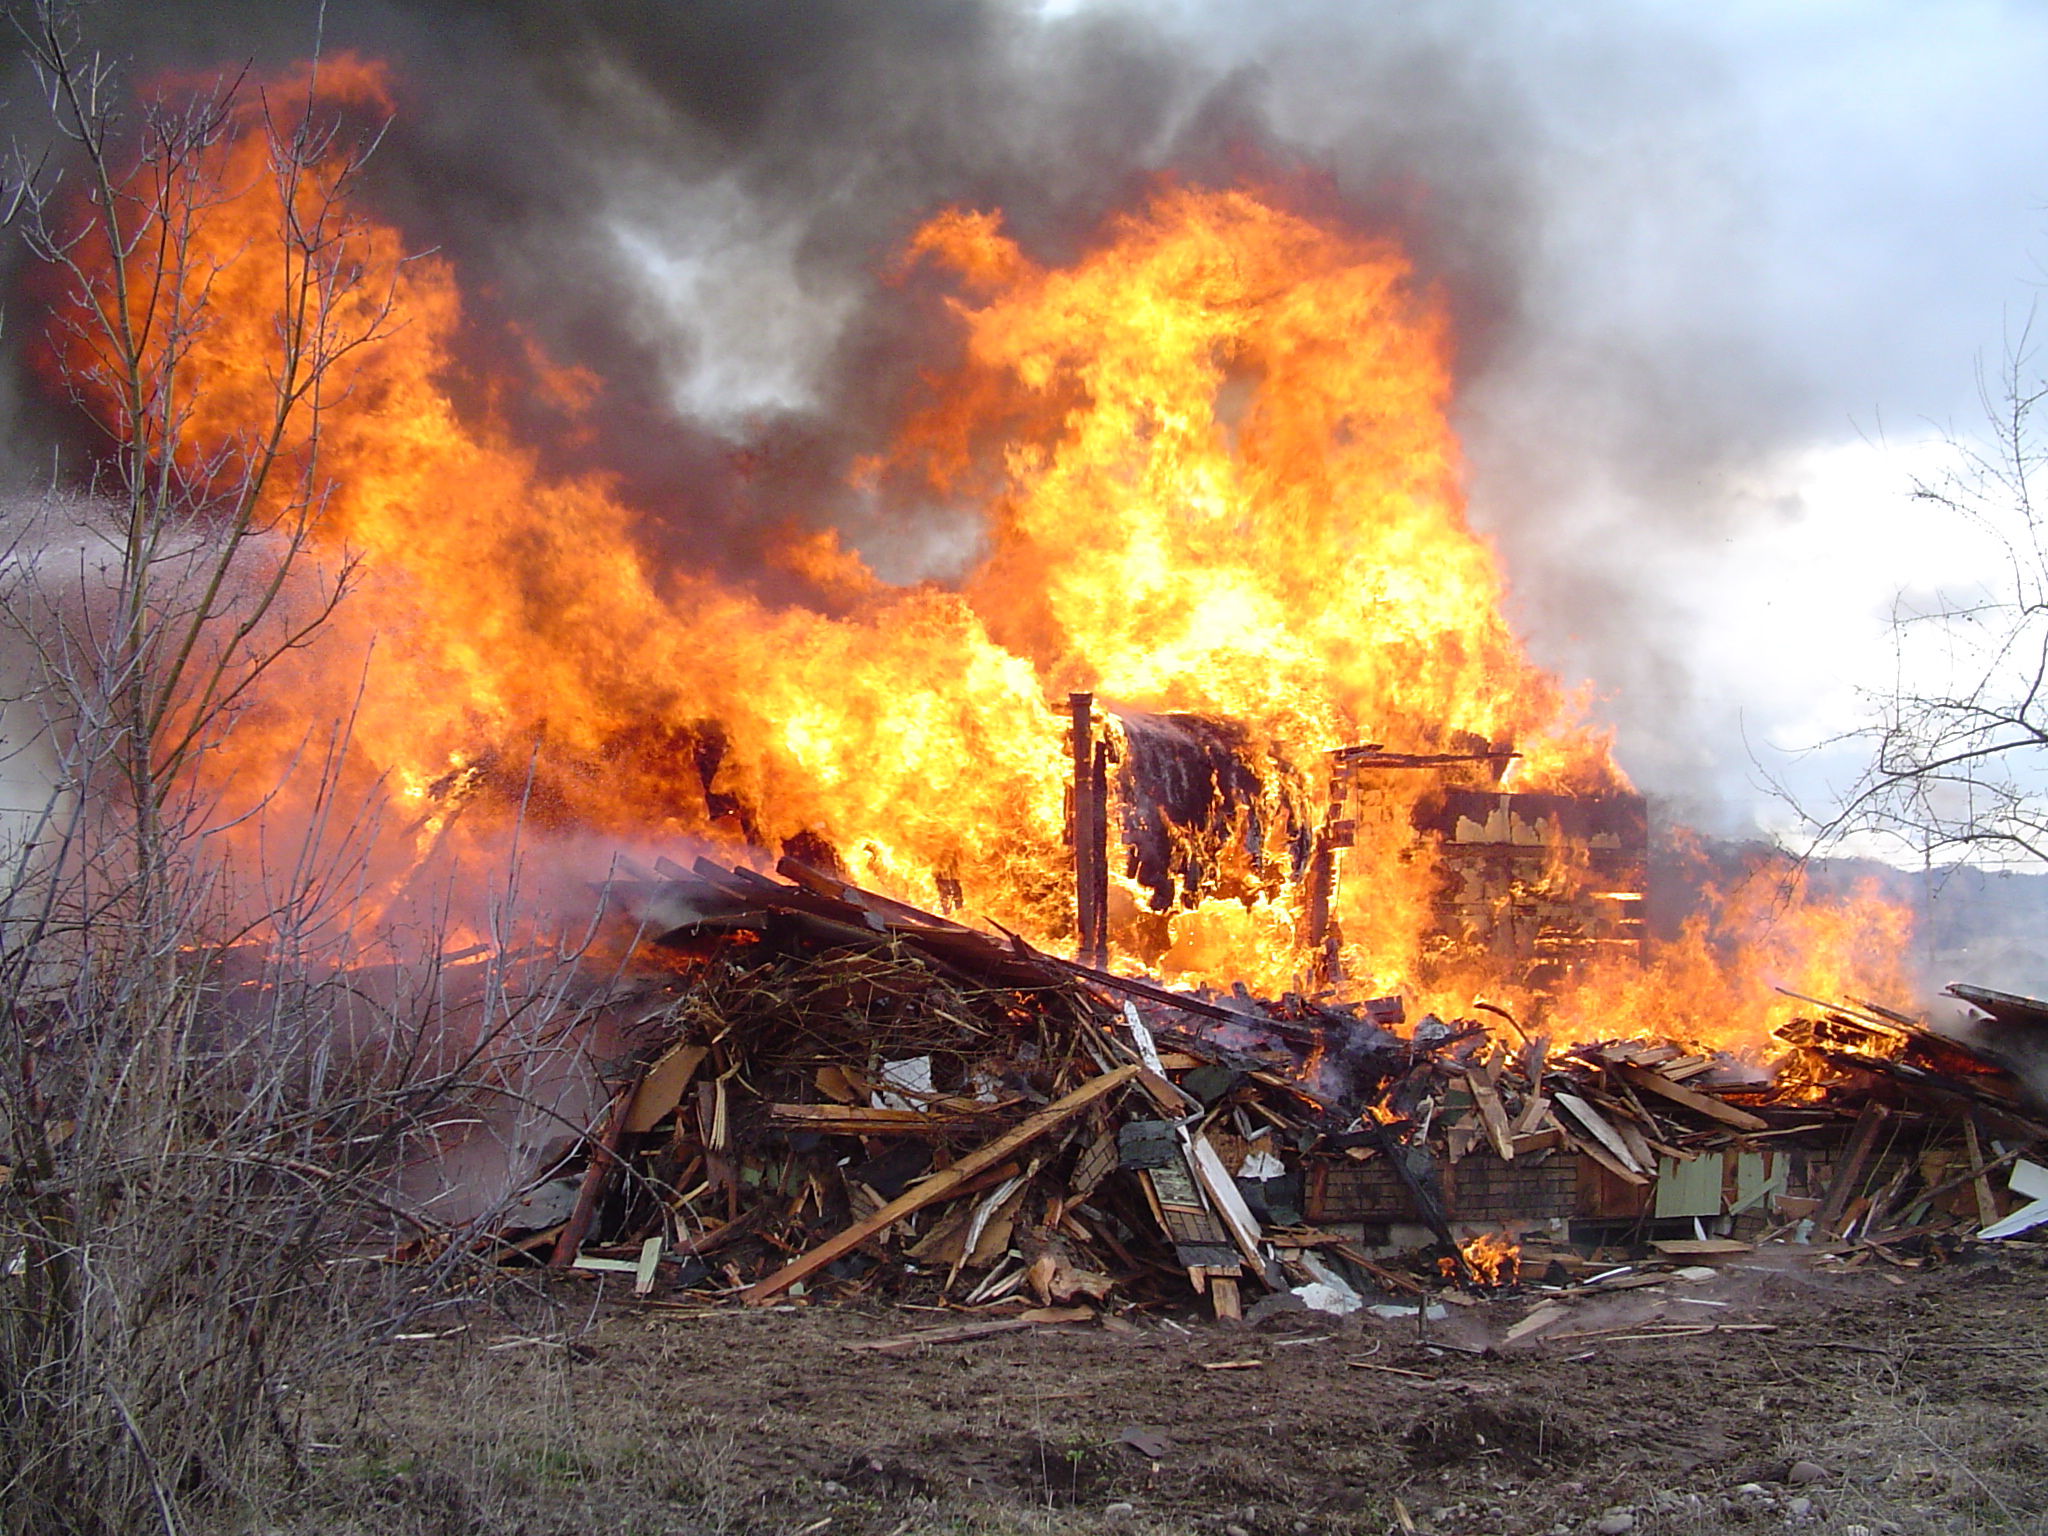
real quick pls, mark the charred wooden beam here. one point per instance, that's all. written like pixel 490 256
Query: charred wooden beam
pixel 1091 834
pixel 1370 756
pixel 1322 882
pixel 1849 1172
pixel 1098 855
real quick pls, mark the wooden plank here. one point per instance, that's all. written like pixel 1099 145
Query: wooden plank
pixel 938 1185
pixel 1391 1279
pixel 1491 1114
pixel 1605 1159
pixel 661 1088
pixel 896 914
pixel 1638 1146
pixel 1229 1203
pixel 1699 1103
pixel 1987 1208
pixel 1868 1124
pixel 1619 1283
pixel 1223 1298
pixel 860 1120
pixel 1545 1316
pixel 1605 1134
pixel 1169 1100
pixel 604 1148
pixel 1091 870
pixel 1701 1247
pixel 650 1262
pixel 1653 1128
pixel 961 1333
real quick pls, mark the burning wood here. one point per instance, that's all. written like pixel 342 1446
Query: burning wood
pixel 1493 1259
pixel 1233 538
pixel 853 1096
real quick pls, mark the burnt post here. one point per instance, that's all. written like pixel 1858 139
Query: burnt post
pixel 1322 881
pixel 1320 931
pixel 1091 835
pixel 1098 858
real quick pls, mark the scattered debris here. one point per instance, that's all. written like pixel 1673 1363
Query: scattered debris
pixel 844 1096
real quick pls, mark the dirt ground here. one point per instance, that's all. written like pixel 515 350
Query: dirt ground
pixel 1919 1397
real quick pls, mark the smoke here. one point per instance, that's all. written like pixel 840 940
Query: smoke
pixel 694 203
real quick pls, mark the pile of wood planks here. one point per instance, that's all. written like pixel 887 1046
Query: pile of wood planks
pixel 853 1097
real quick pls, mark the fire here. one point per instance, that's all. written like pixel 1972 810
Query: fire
pixel 1494 1259
pixel 1724 980
pixel 1216 472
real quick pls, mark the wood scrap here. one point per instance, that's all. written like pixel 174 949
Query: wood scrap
pixel 1699 1103
pixel 938 1184
pixel 1601 1131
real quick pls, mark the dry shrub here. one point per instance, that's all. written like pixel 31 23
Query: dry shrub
pixel 196 1144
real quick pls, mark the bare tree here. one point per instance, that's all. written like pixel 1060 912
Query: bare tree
pixel 1957 751
pixel 173 1095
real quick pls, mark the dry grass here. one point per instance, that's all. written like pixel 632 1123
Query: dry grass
pixel 742 1423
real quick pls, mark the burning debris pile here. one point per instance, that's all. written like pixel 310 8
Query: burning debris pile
pixel 854 1097
pixel 1203 452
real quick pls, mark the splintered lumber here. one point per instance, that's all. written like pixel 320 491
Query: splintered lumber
pixel 1849 1174
pixel 1699 1103
pixel 938 1185
pixel 1987 1208
pixel 1491 1113
pixel 1603 1133
pixel 859 1120
pixel 604 1156
pixel 661 1090
pixel 645 1271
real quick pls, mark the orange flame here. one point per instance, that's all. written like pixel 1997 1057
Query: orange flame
pixel 1494 1259
pixel 1723 981
pixel 1214 462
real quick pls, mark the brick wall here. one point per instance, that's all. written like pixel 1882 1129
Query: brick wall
pixel 1481 1189
pixel 1478 1188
